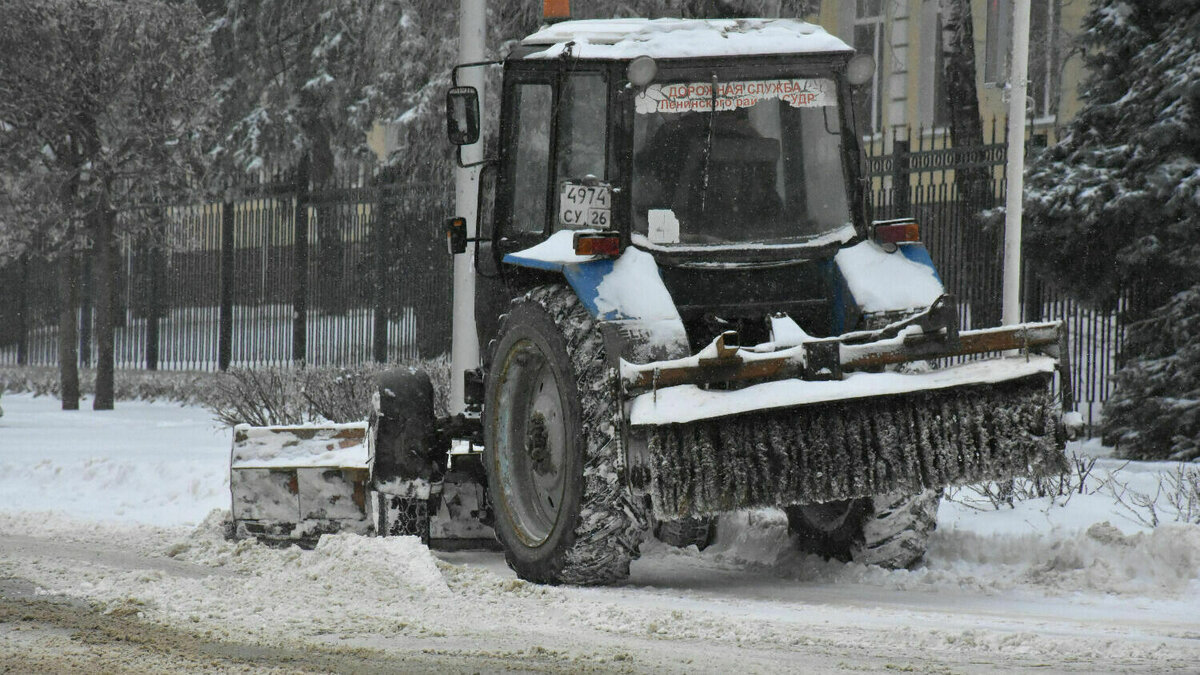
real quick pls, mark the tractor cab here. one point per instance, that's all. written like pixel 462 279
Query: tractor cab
pixel 701 142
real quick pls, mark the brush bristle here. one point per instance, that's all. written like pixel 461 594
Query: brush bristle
pixel 856 448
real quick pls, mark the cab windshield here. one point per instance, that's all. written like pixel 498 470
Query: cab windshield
pixel 738 162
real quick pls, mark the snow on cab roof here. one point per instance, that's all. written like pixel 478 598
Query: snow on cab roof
pixel 682 38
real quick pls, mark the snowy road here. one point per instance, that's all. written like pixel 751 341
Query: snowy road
pixel 120 576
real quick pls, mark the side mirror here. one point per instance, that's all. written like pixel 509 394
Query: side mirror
pixel 462 115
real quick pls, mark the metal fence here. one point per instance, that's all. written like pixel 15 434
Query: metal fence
pixel 223 288
pixel 914 172
pixel 222 284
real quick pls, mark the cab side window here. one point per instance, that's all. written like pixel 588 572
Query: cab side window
pixel 581 127
pixel 531 161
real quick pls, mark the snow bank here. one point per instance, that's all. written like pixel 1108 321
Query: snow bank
pixel 1060 560
pixel 154 463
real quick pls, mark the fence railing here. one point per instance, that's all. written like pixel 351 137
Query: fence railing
pixel 281 272
pixel 355 270
pixel 915 173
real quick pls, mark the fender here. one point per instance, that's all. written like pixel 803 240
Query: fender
pixel 626 292
pixel 879 281
pixel 639 321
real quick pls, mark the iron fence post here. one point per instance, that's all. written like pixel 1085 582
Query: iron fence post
pixel 153 305
pixel 85 308
pixel 225 317
pixel 901 197
pixel 380 216
pixel 300 257
pixel 23 312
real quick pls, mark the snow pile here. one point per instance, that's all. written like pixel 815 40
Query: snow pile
pixel 1099 559
pixel 154 463
pixel 313 445
pixel 203 580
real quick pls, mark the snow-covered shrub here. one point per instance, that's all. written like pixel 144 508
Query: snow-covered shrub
pixel 188 387
pixel 276 395
pixel 1155 412
pixel 1175 498
pixel 996 495
pixel 261 397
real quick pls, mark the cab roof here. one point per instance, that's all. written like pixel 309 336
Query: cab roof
pixel 617 39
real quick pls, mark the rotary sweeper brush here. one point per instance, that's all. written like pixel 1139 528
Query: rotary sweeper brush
pixel 687 309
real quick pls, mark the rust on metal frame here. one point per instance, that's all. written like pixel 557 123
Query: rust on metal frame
pixel 729 366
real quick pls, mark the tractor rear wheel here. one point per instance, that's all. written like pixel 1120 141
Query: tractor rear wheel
pixel 407 453
pixel 891 531
pixel 684 532
pixel 551 452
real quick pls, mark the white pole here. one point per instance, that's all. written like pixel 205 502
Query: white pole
pixel 1018 83
pixel 464 345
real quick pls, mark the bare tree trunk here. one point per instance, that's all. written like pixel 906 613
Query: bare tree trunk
pixel 103 301
pixel 958 48
pixel 68 332
pixel 330 293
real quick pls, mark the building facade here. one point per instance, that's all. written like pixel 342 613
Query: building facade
pixel 905 37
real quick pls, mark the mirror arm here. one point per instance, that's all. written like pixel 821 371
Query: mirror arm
pixel 463 165
pixel 472 64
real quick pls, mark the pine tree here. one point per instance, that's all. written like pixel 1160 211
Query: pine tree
pixel 1155 413
pixel 1115 206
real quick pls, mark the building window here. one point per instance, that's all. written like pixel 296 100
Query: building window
pixel 868 39
pixel 1043 51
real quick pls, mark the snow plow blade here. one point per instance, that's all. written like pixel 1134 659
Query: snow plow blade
pixel 291 484
pixel 794 439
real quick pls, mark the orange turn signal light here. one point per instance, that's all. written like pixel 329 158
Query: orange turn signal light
pixel 597 244
pixel 456 235
pixel 897 233
pixel 556 9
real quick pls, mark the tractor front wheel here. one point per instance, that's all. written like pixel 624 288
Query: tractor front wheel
pixel 552 458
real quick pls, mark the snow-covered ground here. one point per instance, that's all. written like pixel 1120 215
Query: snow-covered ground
pixel 116 508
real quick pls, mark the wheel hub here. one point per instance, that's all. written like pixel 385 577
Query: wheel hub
pixel 537 444
pixel 533 443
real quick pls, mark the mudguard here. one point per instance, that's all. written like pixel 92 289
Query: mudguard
pixel 626 293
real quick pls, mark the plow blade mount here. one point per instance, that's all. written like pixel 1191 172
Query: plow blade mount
pixel 852 448
pixel 291 484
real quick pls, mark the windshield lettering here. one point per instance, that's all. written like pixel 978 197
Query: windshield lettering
pixel 698 96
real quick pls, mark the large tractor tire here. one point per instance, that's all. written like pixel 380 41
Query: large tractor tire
pixel 406 427
pixel 891 531
pixel 684 532
pixel 555 475
pixel 407 453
